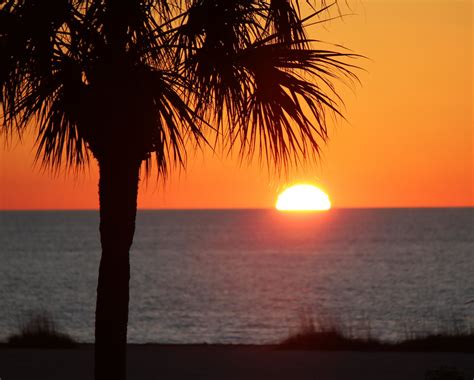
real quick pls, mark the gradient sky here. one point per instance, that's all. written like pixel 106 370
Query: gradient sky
pixel 408 140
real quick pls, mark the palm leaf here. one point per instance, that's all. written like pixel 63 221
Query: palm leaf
pixel 150 76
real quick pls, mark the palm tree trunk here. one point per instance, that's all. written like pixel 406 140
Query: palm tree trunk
pixel 118 186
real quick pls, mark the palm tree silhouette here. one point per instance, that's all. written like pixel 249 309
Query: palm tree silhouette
pixel 134 82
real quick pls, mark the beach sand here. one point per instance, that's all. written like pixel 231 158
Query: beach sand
pixel 177 362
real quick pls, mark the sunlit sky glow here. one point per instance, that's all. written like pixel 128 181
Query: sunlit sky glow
pixel 408 140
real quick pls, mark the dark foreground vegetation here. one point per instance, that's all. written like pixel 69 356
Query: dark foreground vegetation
pixel 332 337
pixel 40 331
pixel 335 341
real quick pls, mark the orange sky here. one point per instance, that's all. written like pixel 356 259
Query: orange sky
pixel 408 140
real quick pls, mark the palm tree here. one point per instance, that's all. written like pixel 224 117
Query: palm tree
pixel 134 82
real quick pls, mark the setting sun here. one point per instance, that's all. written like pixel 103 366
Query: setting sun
pixel 303 198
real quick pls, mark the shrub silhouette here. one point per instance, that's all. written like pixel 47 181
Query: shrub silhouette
pixel 40 330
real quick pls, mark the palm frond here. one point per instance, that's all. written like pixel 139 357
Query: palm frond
pixel 143 77
pixel 173 122
pixel 290 96
pixel 284 22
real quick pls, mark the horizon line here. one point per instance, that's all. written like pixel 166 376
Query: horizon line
pixel 248 208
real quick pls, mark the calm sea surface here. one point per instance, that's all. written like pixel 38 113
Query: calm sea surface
pixel 247 276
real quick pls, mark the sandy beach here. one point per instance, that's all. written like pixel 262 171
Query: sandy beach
pixel 177 362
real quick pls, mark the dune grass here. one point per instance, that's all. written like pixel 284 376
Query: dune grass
pixel 39 330
pixel 331 336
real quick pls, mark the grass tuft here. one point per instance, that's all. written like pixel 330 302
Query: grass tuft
pixel 327 336
pixel 334 337
pixel 40 331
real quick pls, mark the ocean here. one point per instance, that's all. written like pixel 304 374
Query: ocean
pixel 247 276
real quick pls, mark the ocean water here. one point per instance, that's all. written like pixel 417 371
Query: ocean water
pixel 247 276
